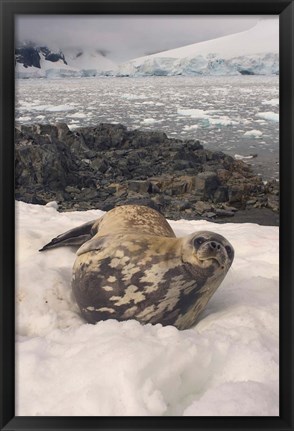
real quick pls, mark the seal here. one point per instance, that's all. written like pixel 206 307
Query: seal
pixel 131 265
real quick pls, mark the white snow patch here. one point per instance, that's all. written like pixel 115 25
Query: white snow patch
pixel 226 365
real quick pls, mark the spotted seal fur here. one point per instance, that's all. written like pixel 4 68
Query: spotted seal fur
pixel 130 265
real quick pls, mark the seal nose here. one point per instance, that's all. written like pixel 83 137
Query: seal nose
pixel 214 246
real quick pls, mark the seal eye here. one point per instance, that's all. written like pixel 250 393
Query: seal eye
pixel 199 241
pixel 229 250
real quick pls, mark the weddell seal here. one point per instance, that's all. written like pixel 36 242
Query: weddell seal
pixel 132 266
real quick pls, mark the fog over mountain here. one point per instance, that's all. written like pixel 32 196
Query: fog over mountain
pixel 121 38
pixel 254 51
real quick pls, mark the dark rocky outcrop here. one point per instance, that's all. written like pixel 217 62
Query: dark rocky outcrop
pixel 108 165
pixel 30 55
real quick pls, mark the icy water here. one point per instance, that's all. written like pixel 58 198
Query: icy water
pixel 237 115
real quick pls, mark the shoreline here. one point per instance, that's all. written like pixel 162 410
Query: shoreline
pixel 109 165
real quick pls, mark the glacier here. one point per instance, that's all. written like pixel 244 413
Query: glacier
pixel 251 52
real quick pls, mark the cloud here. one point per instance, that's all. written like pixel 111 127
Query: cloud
pixel 123 37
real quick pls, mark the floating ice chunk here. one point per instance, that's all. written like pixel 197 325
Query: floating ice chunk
pixel 78 115
pixel 272 102
pixel 192 127
pixel 150 121
pixel 196 113
pixel 23 119
pixel 240 157
pixel 133 96
pixel 208 116
pixel 53 108
pixel 253 133
pixel 271 116
pixel 222 121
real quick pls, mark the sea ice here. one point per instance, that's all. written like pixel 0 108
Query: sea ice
pixel 271 116
pixel 253 133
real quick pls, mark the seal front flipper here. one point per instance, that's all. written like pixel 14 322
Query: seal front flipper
pixel 73 237
pixel 94 244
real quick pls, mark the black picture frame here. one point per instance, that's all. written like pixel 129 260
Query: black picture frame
pixel 9 9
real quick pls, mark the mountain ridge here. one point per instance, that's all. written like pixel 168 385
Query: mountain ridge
pixel 251 52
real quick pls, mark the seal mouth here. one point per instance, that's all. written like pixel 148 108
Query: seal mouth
pixel 212 260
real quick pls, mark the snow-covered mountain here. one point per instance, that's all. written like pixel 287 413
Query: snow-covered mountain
pixel 41 62
pixel 251 52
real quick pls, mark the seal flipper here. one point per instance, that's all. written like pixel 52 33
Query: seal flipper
pixel 93 244
pixel 73 237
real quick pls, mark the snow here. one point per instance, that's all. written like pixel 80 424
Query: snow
pixel 254 51
pixel 226 365
pixel 271 116
pixel 80 63
pixel 262 38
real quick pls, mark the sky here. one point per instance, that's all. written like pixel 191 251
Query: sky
pixel 123 37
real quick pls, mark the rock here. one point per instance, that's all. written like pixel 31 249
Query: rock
pixel 202 207
pixel 224 213
pixel 221 194
pixel 206 184
pixel 273 202
pixel 108 165
pixel 229 208
pixel 70 189
pixel 236 194
pixel 100 165
pixel 209 214
pixel 87 194
pixel 140 186
pixel 181 205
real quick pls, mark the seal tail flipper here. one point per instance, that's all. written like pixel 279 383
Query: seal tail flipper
pixel 73 237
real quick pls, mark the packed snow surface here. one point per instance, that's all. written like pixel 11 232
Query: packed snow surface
pixel 226 365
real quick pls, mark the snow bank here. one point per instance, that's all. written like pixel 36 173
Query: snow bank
pixel 226 365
